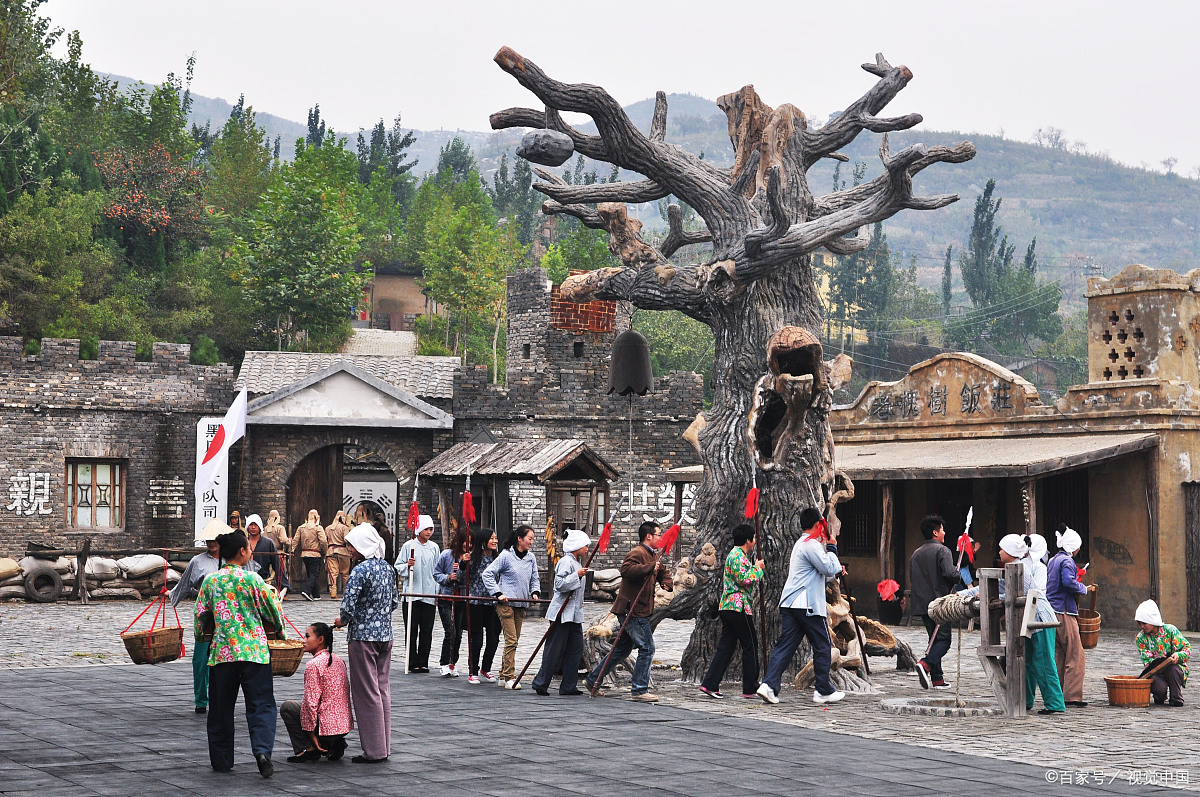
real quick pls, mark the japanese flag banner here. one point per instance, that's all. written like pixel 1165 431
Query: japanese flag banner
pixel 215 459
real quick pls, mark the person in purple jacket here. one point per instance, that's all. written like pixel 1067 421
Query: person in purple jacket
pixel 1062 589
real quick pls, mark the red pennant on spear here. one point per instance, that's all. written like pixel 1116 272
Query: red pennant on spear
pixel 468 504
pixel 669 537
pixel 752 512
pixel 414 513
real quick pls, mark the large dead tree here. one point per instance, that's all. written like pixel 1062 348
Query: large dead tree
pixel 764 222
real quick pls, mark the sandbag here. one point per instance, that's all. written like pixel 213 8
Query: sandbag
pixel 179 567
pixel 9 593
pixel 101 569
pixel 15 581
pixel 8 568
pixel 123 593
pixel 60 565
pixel 173 577
pixel 133 567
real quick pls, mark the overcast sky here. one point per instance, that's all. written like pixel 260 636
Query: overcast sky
pixel 1115 76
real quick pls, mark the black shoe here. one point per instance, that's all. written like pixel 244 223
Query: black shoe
pixel 1050 711
pixel 307 757
pixel 338 750
pixel 542 691
pixel 1175 703
pixel 362 759
pixel 572 693
pixel 265 767
pixel 307 597
pixel 923 675
pixel 201 709
pixel 1077 703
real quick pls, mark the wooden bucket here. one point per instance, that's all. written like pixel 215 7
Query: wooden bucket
pixel 1089 628
pixel 285 656
pixel 1128 690
pixel 155 646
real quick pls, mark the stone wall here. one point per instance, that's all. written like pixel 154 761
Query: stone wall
pixel 557 389
pixel 55 407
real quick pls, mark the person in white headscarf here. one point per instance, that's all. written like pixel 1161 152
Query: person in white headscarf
pixel 1040 671
pixel 565 644
pixel 415 565
pixel 1063 588
pixel 1160 643
pixel 367 606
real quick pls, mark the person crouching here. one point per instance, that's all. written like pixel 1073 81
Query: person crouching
pixel 318 726
pixel 1158 640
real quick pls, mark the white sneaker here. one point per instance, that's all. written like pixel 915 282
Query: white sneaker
pixel 447 671
pixel 513 684
pixel 473 679
pixel 454 671
pixel 832 698
pixel 488 677
pixel 767 694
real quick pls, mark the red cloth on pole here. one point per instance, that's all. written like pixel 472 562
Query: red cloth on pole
pixel 668 539
pixel 468 508
pixel 752 503
pixel 605 538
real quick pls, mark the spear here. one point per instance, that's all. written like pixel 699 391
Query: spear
pixel 964 542
pixel 650 579
pixel 414 517
pixel 601 546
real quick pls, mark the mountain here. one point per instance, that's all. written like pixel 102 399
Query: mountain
pixel 1090 214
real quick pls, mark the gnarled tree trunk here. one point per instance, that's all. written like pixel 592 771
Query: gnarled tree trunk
pixel 764 223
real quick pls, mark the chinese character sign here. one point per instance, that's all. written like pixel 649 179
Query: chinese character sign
pixel 29 493
pixel 646 502
pixel 214 501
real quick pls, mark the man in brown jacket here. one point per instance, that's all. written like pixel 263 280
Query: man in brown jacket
pixel 337 561
pixel 311 546
pixel 640 570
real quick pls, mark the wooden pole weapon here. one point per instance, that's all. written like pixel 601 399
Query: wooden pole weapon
pixel 650 579
pixel 586 565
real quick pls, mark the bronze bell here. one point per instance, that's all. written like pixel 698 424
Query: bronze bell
pixel 631 371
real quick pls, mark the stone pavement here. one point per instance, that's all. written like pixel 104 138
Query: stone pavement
pixel 39 645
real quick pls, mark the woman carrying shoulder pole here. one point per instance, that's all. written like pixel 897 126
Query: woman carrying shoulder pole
pixel 484 622
pixel 565 645
pixel 513 578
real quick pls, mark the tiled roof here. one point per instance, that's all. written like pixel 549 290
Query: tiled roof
pixel 381 342
pixel 265 372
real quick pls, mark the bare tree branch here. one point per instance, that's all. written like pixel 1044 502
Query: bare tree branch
pixel 700 184
pixel 744 182
pixel 585 213
pixel 848 246
pixel 840 200
pixel 779 217
pixel 892 192
pixel 658 125
pixel 678 237
pixel 860 116
pixel 635 192
pixel 591 146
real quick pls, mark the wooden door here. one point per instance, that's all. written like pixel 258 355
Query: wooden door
pixel 316 483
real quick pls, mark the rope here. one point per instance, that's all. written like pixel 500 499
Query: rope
pixel 952 609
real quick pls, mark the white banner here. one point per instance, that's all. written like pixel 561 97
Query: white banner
pixel 213 502
pixel 381 493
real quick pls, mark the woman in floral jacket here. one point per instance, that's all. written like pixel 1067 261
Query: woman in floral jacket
pixel 737 617
pixel 1159 640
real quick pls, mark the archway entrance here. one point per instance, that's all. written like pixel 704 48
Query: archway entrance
pixel 316 483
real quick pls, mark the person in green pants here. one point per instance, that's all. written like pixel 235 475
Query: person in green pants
pixel 201 566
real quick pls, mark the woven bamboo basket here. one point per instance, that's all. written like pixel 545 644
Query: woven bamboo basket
pixel 1089 628
pixel 155 646
pixel 1128 690
pixel 285 656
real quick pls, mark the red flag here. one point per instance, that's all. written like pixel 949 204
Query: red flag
pixel 967 545
pixel 605 538
pixel 468 508
pixel 668 539
pixel 820 532
pixel 752 503
pixel 887 589
pixel 414 515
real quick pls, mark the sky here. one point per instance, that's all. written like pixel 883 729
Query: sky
pixel 1116 77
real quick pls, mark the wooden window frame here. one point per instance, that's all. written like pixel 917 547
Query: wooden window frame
pixel 117 501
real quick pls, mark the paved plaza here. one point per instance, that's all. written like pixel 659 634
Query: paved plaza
pixel 78 719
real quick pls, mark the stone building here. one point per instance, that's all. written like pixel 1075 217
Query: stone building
pixel 1112 458
pixel 103 448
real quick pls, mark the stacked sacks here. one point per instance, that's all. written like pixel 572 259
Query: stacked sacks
pixel 605 584
pixel 12 579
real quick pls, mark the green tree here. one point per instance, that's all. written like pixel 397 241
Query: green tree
pixel 296 263
pixel 947 281
pixel 678 343
pixel 240 169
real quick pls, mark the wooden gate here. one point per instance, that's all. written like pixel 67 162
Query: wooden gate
pixel 1191 531
pixel 316 483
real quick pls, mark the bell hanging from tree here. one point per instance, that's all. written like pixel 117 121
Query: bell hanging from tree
pixel 631 371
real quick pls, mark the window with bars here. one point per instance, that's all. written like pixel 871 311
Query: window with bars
pixel 861 518
pixel 95 494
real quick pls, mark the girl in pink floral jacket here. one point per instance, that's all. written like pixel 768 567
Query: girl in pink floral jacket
pixel 318 725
